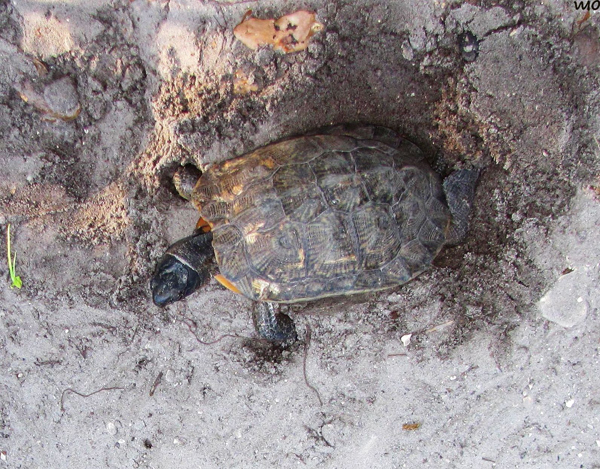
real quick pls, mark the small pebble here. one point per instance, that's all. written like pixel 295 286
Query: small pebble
pixel 406 339
pixel 563 304
pixel 111 428
pixel 170 376
pixel 407 51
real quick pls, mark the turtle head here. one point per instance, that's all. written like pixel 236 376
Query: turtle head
pixel 173 281
pixel 182 270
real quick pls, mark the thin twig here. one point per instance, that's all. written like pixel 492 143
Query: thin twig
pixel 156 383
pixel 306 345
pixel 192 327
pixel 439 326
pixel 62 397
pixel 238 2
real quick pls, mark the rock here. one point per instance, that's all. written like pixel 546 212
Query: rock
pixel 566 302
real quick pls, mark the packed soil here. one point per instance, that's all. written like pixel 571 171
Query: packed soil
pixel 488 359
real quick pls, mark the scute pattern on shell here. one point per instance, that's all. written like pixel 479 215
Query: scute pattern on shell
pixel 323 215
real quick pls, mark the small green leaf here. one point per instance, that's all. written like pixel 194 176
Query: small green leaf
pixel 12 262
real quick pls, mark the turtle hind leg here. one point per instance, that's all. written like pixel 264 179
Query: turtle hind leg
pixel 272 325
pixel 459 189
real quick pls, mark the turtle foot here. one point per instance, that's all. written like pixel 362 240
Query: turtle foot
pixel 185 179
pixel 459 188
pixel 272 325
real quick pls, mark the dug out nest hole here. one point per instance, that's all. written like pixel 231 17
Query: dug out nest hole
pixel 254 97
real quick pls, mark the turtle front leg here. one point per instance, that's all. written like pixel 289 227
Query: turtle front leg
pixel 272 325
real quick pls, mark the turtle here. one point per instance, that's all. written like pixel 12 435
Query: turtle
pixel 351 209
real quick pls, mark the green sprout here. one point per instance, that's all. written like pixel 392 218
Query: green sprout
pixel 16 280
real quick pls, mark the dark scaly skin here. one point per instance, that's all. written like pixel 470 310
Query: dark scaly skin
pixel 459 188
pixel 272 325
pixel 183 269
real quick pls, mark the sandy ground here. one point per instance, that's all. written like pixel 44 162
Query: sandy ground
pixel 502 367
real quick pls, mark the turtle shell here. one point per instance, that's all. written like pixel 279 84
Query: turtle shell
pixel 323 215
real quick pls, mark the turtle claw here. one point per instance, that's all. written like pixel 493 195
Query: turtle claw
pixel 272 325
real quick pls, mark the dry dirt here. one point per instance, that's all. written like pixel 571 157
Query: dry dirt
pixel 101 100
